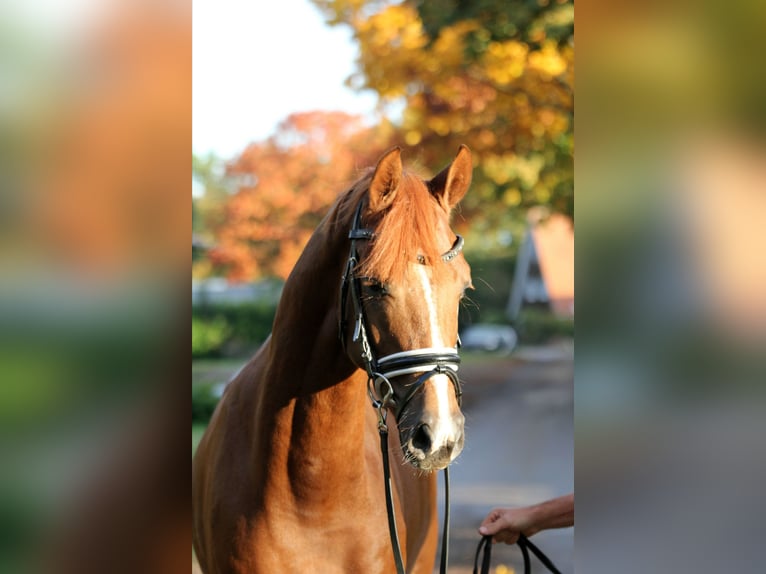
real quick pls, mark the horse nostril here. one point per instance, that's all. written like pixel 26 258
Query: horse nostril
pixel 421 438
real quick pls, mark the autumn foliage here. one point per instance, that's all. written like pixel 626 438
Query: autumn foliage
pixel 496 76
pixel 285 186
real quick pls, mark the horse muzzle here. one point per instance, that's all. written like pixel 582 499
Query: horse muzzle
pixel 433 444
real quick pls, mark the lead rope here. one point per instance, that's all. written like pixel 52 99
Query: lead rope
pixel 445 526
pixel 393 533
pixel 523 543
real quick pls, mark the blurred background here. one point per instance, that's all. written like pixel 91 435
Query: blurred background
pixel 95 128
pixel 671 287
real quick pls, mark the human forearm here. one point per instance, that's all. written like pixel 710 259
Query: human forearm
pixel 554 513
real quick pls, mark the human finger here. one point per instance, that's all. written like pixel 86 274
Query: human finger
pixel 493 522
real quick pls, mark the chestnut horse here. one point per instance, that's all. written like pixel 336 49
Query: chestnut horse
pixel 288 476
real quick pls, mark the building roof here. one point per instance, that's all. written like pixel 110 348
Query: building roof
pixel 554 244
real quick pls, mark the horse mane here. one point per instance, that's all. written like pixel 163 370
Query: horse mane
pixel 406 231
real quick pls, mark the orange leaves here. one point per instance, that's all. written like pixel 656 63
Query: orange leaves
pixel 298 173
pixel 548 60
pixel 394 27
pixel 389 42
pixel 497 77
pixel 505 61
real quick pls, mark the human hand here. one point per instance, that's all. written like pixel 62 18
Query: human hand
pixel 505 524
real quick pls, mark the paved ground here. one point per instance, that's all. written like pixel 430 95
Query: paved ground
pixel 519 450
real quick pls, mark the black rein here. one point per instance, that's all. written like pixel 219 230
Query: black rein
pixel 526 547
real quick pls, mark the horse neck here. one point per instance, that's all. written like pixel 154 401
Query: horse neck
pixel 316 397
pixel 306 352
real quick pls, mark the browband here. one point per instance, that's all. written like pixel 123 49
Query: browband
pixel 447 256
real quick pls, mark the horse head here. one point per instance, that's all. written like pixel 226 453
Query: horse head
pixel 406 277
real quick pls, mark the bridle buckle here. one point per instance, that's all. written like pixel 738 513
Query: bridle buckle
pixel 375 385
pixel 380 391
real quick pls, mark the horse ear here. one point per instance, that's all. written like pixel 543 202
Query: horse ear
pixel 385 180
pixel 451 184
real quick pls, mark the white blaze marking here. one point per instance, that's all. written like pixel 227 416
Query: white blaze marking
pixel 433 319
pixel 441 383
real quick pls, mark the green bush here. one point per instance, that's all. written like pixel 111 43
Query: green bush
pixel 208 336
pixel 224 329
pixel 535 326
pixel 250 323
pixel 204 402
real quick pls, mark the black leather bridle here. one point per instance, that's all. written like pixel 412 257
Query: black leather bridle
pixel 430 361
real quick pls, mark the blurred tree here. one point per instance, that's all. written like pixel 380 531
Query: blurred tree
pixel 213 189
pixel 208 208
pixel 285 186
pixel 498 76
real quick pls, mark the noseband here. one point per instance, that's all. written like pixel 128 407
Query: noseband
pixel 430 361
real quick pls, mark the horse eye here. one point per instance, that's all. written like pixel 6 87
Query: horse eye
pixel 376 288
